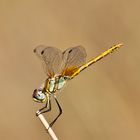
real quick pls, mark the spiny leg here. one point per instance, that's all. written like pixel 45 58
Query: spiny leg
pixel 60 111
pixel 47 107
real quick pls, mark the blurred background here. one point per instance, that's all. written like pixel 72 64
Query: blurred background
pixel 102 103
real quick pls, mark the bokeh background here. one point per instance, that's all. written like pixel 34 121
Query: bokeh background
pixel 103 102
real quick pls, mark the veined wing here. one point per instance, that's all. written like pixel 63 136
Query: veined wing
pixel 73 58
pixel 96 59
pixel 51 58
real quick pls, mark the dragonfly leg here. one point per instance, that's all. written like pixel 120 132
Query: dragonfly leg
pixel 47 107
pixel 60 112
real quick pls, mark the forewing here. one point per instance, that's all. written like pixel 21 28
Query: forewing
pixel 51 57
pixel 73 58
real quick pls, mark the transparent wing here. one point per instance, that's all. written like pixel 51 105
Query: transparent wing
pixel 73 58
pixel 52 59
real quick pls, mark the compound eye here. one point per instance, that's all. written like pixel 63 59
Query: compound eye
pixel 39 96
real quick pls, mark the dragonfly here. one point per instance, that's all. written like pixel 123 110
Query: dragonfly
pixel 60 67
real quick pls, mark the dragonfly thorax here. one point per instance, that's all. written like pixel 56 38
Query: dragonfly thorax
pixel 55 83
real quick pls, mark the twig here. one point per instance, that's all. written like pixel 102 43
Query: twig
pixel 46 125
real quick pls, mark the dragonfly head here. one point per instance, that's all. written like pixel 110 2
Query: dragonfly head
pixel 39 96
